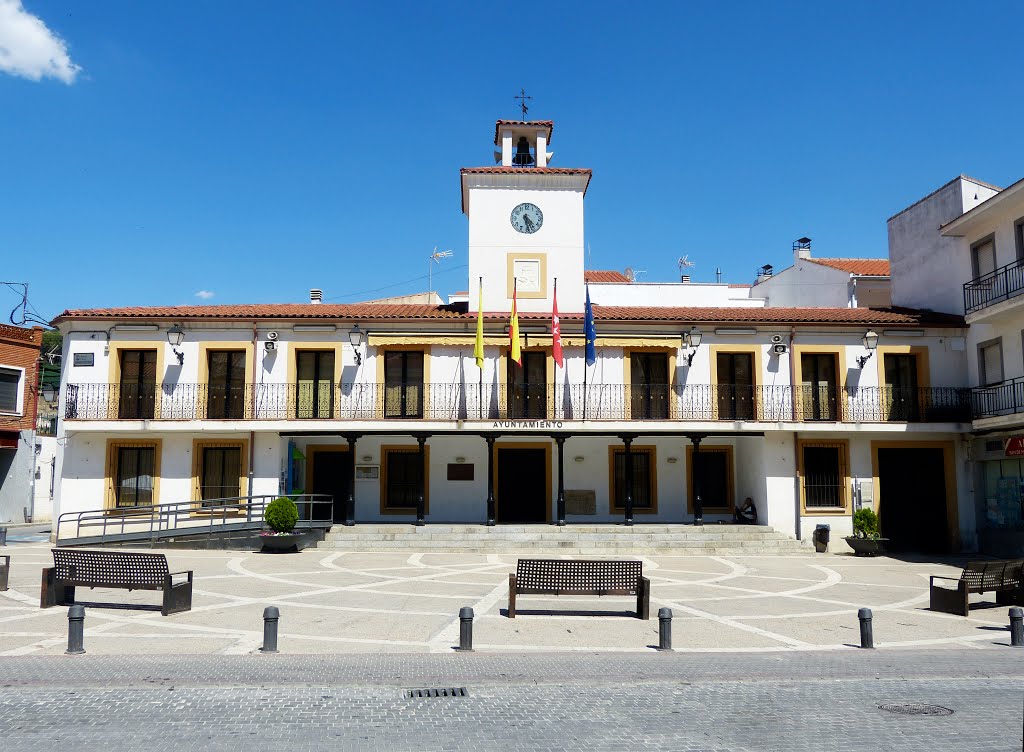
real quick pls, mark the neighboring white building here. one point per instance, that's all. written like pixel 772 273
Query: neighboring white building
pixel 966 243
pixel 785 404
pixel 825 282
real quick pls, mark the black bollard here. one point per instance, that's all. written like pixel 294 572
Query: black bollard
pixel 665 629
pixel 270 618
pixel 867 635
pixel 465 630
pixel 76 630
pixel 1017 627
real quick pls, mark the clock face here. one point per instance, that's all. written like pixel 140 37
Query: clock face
pixel 527 218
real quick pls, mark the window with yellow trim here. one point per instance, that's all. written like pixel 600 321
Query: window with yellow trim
pixel 823 474
pixel 402 472
pixel 132 471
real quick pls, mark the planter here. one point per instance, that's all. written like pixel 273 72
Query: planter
pixel 866 546
pixel 279 544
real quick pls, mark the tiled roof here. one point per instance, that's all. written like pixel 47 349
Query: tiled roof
pixel 549 124
pixel 865 267
pixel 599 275
pixel 32 336
pixel 397 312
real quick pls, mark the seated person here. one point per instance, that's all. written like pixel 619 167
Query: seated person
pixel 746 514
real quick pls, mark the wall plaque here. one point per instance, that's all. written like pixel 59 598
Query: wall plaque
pixel 581 502
pixel 85 359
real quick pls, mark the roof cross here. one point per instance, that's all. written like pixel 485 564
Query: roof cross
pixel 521 96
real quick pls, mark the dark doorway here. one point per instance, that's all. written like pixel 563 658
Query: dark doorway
pixel 332 474
pixel 912 499
pixel 735 386
pixel 522 492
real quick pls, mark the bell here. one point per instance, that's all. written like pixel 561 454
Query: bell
pixel 522 157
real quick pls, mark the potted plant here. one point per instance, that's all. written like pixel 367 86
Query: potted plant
pixel 865 540
pixel 280 516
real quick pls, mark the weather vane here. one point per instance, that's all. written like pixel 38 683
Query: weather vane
pixel 522 101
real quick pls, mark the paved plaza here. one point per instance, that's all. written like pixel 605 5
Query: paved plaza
pixel 764 660
pixel 342 602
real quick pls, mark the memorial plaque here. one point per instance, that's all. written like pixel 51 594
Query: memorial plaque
pixel 581 502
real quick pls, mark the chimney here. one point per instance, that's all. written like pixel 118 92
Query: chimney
pixel 801 249
pixel 685 279
pixel 316 296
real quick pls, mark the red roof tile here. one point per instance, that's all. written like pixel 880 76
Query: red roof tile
pixel 865 267
pixel 549 124
pixel 598 275
pixel 405 312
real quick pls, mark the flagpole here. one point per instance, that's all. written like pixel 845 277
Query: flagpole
pixel 480 369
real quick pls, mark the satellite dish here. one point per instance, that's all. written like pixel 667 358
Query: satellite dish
pixel 549 156
pixel 628 273
pixel 497 157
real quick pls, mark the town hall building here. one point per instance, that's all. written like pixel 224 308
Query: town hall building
pixel 700 396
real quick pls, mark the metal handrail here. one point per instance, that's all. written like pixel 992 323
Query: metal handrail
pixel 998 285
pixel 1002 398
pixel 167 520
pixel 592 402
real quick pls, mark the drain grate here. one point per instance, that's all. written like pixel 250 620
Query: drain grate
pixel 437 692
pixel 915 708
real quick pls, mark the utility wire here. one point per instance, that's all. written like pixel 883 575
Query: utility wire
pixel 396 284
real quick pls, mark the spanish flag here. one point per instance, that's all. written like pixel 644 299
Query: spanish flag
pixel 514 353
pixel 478 348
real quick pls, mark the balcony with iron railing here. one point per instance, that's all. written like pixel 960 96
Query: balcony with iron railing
pixel 1004 283
pixel 451 402
pixel 1003 398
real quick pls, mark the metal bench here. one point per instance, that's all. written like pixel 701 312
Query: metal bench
pixel 580 577
pixel 1001 577
pixel 113 569
pixel 5 571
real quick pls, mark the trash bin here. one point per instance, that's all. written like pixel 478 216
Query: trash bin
pixel 821 534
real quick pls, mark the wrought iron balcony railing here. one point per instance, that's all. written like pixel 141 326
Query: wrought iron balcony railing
pixel 413 401
pixel 1002 284
pixel 1004 398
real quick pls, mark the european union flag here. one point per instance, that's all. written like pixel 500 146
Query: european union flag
pixel 590 332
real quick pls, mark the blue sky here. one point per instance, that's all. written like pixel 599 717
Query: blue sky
pixel 254 150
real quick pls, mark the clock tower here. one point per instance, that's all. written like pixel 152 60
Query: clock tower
pixel 525 223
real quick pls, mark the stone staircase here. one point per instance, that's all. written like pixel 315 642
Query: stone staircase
pixel 585 540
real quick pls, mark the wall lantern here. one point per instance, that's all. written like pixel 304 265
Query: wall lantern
pixel 175 336
pixel 692 339
pixel 355 338
pixel 870 343
pixel 49 392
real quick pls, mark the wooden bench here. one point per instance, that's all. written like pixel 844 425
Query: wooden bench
pixel 113 569
pixel 1001 577
pixel 580 577
pixel 5 571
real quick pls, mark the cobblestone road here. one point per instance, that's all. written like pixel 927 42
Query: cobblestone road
pixel 805 701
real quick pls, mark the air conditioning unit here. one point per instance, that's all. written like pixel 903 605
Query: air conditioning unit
pixel 272 336
pixel 270 346
pixel 777 339
pixel 779 349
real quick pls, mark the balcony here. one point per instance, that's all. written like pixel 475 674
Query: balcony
pixel 450 402
pixel 1004 283
pixel 1004 398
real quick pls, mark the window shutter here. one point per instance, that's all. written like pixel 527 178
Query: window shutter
pixel 985 255
pixel 9 390
pixel 992 364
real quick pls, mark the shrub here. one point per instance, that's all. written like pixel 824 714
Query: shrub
pixel 865 523
pixel 281 515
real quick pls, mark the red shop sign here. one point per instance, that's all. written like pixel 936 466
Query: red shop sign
pixel 1015 446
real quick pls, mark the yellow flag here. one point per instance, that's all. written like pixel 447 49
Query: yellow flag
pixel 513 333
pixel 478 348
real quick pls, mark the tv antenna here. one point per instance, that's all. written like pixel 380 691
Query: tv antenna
pixel 435 258
pixel 684 263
